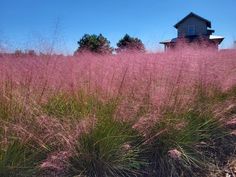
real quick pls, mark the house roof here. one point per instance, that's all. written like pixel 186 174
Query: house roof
pixel 216 37
pixel 169 41
pixel 211 37
pixel 193 15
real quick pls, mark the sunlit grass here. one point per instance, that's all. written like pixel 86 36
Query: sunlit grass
pixel 123 115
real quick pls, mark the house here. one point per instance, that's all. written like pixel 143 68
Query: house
pixel 194 28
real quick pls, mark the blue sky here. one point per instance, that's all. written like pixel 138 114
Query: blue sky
pixel 39 23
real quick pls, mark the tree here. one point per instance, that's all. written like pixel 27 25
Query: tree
pixel 94 43
pixel 128 43
pixel 31 53
pixel 18 53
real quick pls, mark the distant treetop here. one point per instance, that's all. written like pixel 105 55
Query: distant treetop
pixel 95 44
pixel 128 43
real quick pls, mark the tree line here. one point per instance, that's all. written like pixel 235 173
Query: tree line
pixel 101 45
pixel 94 44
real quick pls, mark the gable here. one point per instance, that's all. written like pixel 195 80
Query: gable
pixel 192 21
pixel 193 16
pixel 192 26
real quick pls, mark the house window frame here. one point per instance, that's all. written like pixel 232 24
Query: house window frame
pixel 191 30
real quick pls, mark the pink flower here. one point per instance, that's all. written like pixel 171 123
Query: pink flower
pixel 56 161
pixel 126 147
pixel 174 154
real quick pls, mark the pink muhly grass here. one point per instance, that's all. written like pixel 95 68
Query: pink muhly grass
pixel 145 86
pixel 48 132
pixel 144 123
pixel 174 154
pixel 121 74
pixel 170 79
pixel 56 163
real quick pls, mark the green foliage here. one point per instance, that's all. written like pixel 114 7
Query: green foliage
pixel 220 96
pixel 114 148
pixel 110 149
pixel 9 107
pixel 95 44
pixel 72 106
pixel 17 160
pixel 128 43
pixel 191 133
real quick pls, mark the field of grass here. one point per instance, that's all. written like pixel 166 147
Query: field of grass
pixel 165 115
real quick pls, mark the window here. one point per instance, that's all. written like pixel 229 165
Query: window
pixel 191 30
